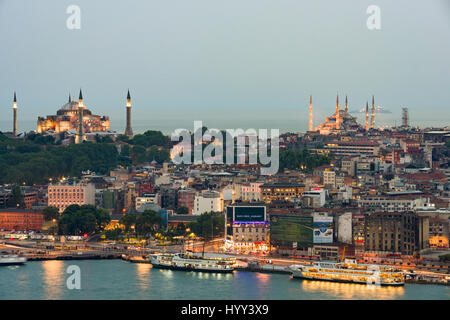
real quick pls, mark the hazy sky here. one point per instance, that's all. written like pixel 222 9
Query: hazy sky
pixel 230 63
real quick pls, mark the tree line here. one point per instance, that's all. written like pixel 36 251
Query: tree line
pixel 37 158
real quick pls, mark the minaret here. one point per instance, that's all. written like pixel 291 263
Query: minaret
pixel 372 122
pixel 367 115
pixel 128 130
pixel 70 98
pixel 310 114
pixel 15 132
pixel 80 137
pixel 338 120
pixel 346 104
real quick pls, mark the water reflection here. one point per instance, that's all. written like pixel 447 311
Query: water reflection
pixel 143 272
pixel 352 290
pixel 54 278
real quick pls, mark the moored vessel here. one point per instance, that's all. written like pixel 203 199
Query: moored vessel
pixel 349 271
pixel 8 259
pixel 190 262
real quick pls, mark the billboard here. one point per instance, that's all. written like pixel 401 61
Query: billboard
pixel 287 229
pixel 323 229
pixel 249 214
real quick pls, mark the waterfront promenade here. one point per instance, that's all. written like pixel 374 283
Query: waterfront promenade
pixel 425 273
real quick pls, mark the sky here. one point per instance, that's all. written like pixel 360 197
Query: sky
pixel 229 63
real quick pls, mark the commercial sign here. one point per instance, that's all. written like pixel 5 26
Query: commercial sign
pixel 249 214
pixel 323 229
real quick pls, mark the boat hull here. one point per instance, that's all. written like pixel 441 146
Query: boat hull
pixel 179 268
pixel 13 262
pixel 298 275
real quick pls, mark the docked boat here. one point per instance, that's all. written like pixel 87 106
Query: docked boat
pixel 190 262
pixel 8 259
pixel 136 259
pixel 349 271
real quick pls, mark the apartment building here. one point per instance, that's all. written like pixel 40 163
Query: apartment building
pixel 64 195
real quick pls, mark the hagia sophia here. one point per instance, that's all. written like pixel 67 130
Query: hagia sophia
pixel 67 118
pixel 74 116
pixel 341 120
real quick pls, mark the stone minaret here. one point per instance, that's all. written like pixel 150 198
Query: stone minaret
pixel 310 114
pixel 15 132
pixel 372 121
pixel 128 130
pixel 338 120
pixel 346 104
pixel 367 116
pixel 80 137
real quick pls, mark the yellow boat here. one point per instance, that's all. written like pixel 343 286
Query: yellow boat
pixel 349 271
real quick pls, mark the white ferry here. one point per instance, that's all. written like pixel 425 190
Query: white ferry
pixel 190 262
pixel 7 259
pixel 349 271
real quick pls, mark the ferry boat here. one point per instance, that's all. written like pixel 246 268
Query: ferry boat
pixel 190 262
pixel 349 271
pixel 8 259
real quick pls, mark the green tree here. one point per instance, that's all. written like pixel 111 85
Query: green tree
pixel 148 222
pixel 77 220
pixel 128 220
pixel 17 198
pixel 113 234
pixel 182 210
pixel 208 226
pixel 50 213
pixel 138 154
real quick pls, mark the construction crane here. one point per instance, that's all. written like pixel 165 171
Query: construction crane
pixel 343 254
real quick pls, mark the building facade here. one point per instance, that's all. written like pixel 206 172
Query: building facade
pixel 64 195
pixel 21 220
pixel 208 201
pixel 394 232
pixel 281 191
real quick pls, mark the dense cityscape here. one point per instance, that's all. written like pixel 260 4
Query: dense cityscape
pixel 75 189
pixel 224 159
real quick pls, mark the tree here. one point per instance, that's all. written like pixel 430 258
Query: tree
pixel 128 220
pixel 304 160
pixel 102 217
pixel 182 210
pixel 148 222
pixel 138 154
pixel 17 198
pixel 50 213
pixel 77 220
pixel 207 226
pixel 113 234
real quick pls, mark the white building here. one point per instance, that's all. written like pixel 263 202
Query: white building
pixel 317 195
pixel 345 231
pixel 208 201
pixel 395 202
pixel 146 199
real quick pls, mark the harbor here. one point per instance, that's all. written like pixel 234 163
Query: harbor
pixel 135 255
pixel 124 280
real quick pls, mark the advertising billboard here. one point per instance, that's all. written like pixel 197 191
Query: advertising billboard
pixel 287 229
pixel 249 214
pixel 323 229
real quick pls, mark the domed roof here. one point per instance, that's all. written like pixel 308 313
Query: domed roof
pixel 72 105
